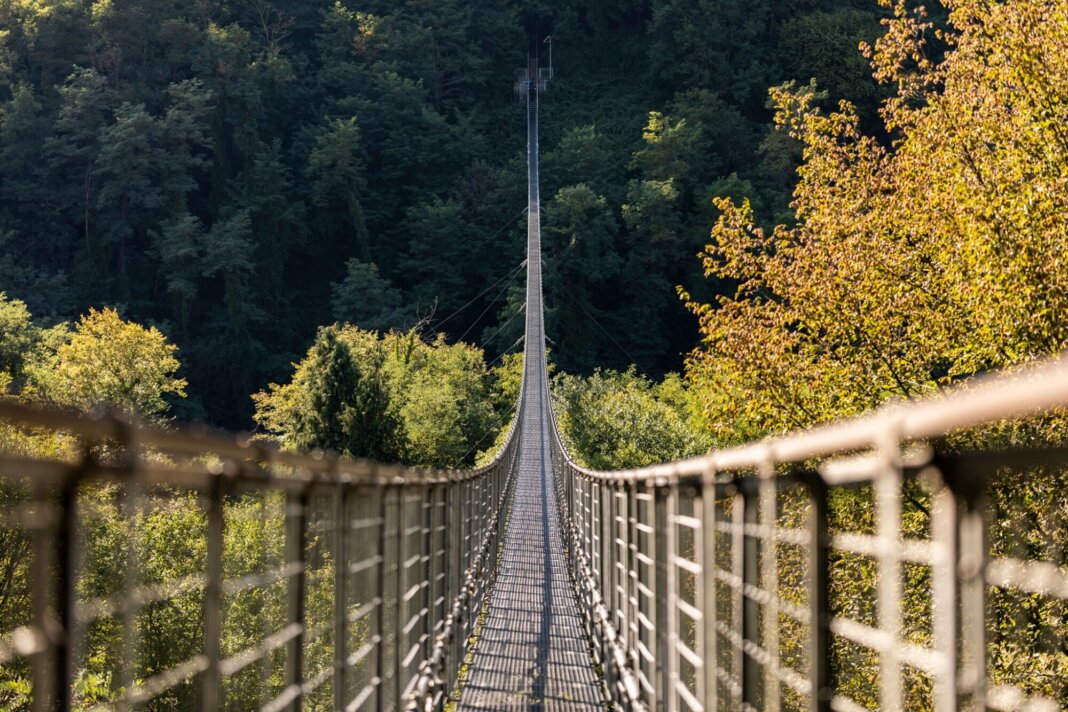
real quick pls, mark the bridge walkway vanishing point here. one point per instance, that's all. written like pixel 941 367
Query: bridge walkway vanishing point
pixel 532 652
pixel 308 581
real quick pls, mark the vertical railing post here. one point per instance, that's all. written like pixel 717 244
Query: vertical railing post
pixel 469 538
pixel 631 592
pixel 296 533
pixel 341 607
pixel 971 562
pixel 660 585
pixel 671 634
pixel 607 568
pixel 767 502
pixel 400 613
pixel 429 498
pixel 945 604
pixel 211 681
pixel 887 488
pixel 52 594
pixel 706 505
pixel 380 596
pixel 622 567
pixel 750 619
pixel 454 531
pixel 819 604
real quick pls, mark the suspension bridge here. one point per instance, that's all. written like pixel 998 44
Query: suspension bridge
pixel 532 582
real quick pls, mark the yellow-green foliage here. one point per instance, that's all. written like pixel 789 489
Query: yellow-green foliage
pixel 913 263
pixel 614 420
pixel 910 265
pixel 437 397
pixel 106 362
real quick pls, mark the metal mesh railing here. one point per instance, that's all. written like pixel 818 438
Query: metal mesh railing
pixel 876 564
pixel 146 568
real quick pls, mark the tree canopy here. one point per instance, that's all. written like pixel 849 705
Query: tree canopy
pixel 909 264
pixel 392 398
pixel 240 174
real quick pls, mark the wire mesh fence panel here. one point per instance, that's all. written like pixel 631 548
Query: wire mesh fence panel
pixel 911 559
pixel 145 568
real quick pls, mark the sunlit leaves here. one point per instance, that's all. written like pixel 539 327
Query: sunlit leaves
pixel 110 363
pixel 912 266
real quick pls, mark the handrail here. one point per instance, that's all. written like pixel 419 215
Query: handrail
pixel 991 397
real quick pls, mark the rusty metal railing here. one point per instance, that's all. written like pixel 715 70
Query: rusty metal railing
pixel 848 567
pixel 149 568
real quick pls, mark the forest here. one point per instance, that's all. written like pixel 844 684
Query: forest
pixel 239 174
pixel 306 219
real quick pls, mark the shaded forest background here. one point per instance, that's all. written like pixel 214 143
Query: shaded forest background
pixel 239 173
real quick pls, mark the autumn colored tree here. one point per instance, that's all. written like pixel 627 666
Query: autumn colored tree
pixel 107 362
pixel 912 264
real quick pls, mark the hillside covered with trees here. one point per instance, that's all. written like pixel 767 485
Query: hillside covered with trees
pixel 307 216
pixel 238 174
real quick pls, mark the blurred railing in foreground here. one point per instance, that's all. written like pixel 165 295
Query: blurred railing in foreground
pixel 874 564
pixel 147 568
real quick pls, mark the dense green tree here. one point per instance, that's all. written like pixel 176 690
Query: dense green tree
pixel 336 169
pixel 710 44
pixel 319 408
pixel 614 420
pixel 581 258
pixel 178 244
pixel 821 45
pixel 18 335
pixel 346 406
pixel 20 151
pixel 366 299
pixel 391 397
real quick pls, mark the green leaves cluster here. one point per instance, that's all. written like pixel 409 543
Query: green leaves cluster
pixel 918 256
pixel 233 172
pixel 615 420
pixel 392 398
pixel 101 362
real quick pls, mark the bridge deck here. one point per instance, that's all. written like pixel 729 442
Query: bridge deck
pixel 533 652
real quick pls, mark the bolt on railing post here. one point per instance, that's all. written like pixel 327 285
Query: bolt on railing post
pixel 296 533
